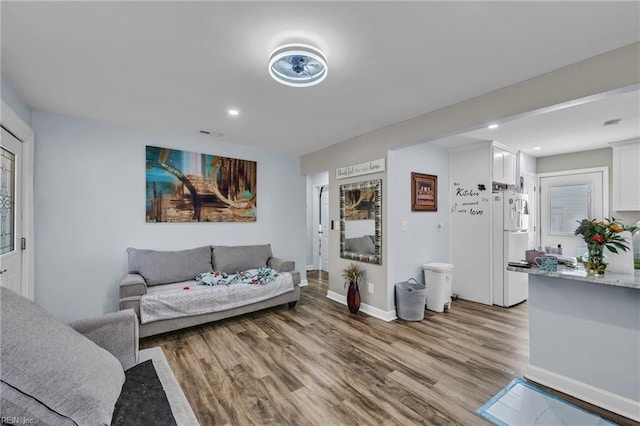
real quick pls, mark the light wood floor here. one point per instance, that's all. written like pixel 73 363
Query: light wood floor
pixel 318 364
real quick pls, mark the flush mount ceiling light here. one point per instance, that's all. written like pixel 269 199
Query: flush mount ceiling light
pixel 298 65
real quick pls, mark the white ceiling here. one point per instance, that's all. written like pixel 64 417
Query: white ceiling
pixel 566 129
pixel 178 66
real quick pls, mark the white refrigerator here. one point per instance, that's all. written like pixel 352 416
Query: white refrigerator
pixel 510 241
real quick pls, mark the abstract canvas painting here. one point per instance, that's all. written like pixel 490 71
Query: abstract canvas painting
pixel 190 187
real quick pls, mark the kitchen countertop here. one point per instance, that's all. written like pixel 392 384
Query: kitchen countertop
pixel 579 274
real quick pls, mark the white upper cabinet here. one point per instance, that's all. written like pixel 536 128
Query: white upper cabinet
pixel 626 175
pixel 504 166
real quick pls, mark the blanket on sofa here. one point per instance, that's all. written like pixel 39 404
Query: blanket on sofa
pixel 189 298
pixel 259 276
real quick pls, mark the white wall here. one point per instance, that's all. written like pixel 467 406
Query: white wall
pixel 14 100
pixel 422 242
pixel 471 222
pixel 90 206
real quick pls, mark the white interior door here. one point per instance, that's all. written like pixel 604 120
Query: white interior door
pixel 565 199
pixel 324 228
pixel 10 212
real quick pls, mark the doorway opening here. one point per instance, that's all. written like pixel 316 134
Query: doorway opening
pixel 318 224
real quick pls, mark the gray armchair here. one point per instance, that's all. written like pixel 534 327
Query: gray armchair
pixel 54 375
pixel 117 332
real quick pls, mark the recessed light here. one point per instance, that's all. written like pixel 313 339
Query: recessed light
pixel 234 112
pixel 537 148
pixel 493 126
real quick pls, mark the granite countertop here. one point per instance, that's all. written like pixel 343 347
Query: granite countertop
pixel 579 274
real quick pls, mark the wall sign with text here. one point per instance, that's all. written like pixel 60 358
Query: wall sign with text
pixel 369 167
pixel 470 199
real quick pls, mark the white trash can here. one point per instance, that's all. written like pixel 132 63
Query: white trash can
pixel 437 279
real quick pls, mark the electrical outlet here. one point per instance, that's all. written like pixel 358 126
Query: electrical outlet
pixel 370 288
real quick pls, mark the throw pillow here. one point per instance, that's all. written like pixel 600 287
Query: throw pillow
pixel 232 259
pixel 164 267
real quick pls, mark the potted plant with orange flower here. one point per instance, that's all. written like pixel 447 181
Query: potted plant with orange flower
pixel 599 234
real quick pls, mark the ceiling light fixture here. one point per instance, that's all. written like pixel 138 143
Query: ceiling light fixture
pixel 298 65
pixel 233 112
pixel 537 148
pixel 492 126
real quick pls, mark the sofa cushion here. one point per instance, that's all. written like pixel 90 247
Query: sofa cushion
pixel 164 267
pixel 232 259
pixel 54 367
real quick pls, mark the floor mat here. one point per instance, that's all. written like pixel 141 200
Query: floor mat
pixel 521 403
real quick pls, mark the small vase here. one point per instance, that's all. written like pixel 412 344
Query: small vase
pixel 595 266
pixel 353 298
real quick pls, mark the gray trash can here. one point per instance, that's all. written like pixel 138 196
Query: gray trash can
pixel 410 300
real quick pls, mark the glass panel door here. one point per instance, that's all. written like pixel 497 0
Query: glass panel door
pixel 7 201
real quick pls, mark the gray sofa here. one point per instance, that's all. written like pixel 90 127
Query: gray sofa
pixel 73 374
pixel 151 272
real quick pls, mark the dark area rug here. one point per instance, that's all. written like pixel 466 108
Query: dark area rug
pixel 142 400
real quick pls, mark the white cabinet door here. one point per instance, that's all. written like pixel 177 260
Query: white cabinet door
pixel 498 164
pixel 509 171
pixel 626 176
pixel 504 166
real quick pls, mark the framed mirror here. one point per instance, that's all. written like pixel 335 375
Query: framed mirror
pixel 361 221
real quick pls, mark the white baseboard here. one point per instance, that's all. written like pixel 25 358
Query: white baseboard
pixel 609 401
pixel 337 297
pixel 367 309
pixel 303 283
